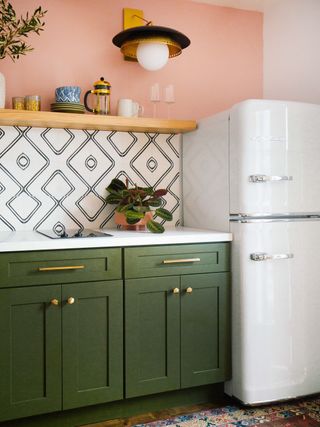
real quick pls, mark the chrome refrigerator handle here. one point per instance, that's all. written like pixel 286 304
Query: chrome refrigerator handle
pixel 262 256
pixel 266 178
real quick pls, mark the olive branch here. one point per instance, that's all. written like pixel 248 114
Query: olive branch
pixel 13 30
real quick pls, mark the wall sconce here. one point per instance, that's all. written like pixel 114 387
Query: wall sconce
pixel 148 44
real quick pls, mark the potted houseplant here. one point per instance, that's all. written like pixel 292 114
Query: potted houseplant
pixel 137 205
pixel 13 33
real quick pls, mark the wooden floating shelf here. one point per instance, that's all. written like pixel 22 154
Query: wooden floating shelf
pixel 46 119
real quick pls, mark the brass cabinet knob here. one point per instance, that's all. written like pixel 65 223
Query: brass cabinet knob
pixel 70 300
pixel 189 290
pixel 176 291
pixel 54 301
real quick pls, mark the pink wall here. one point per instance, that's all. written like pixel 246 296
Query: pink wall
pixel 222 66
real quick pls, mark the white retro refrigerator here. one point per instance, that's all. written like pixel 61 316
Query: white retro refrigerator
pixel 255 171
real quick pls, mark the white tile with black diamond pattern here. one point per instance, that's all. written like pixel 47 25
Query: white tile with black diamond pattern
pixel 57 178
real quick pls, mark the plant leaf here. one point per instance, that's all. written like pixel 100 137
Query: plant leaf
pixel 124 208
pixel 148 190
pixel 143 209
pixel 115 186
pixel 164 214
pixel 113 199
pixel 134 215
pixel 154 202
pixel 155 227
pixel 12 29
pixel 161 192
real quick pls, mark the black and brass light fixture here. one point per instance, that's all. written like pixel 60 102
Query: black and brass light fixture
pixel 148 44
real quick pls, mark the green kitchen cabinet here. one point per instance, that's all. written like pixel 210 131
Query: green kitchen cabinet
pixel 30 356
pixel 61 347
pixel 73 334
pixel 205 329
pixel 177 327
pixel 92 332
pixel 152 331
pixel 61 344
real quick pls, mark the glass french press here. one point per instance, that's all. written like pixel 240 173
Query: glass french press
pixel 102 97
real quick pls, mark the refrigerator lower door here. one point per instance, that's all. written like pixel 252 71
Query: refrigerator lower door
pixel 276 310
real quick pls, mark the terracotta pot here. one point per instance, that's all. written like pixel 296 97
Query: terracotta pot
pixel 120 219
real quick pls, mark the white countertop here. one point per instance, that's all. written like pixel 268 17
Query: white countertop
pixel 11 241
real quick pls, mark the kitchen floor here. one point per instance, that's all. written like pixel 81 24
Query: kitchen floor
pixel 166 413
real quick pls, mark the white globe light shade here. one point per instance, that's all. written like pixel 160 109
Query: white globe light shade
pixel 152 56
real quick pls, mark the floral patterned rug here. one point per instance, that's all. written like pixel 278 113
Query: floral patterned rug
pixel 300 413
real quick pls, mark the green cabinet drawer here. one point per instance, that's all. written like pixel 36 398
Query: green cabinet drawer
pixel 176 260
pixel 61 266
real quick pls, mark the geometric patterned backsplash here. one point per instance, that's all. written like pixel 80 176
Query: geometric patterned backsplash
pixel 57 178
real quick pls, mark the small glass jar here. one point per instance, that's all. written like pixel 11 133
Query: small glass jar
pixel 32 102
pixel 18 103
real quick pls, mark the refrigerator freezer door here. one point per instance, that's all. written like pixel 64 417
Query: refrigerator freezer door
pixel 274 157
pixel 276 306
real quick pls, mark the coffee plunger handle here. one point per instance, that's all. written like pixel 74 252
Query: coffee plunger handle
pixel 85 101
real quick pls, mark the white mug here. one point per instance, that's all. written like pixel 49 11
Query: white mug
pixel 129 108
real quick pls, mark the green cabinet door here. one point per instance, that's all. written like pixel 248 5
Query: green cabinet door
pixel 152 330
pixel 30 355
pixel 205 329
pixel 92 332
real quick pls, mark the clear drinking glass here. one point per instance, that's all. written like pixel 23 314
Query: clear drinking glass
pixel 155 97
pixel 169 99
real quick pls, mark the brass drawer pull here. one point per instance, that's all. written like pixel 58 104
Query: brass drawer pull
pixel 54 301
pixel 70 300
pixel 176 291
pixel 66 267
pixel 189 290
pixel 180 261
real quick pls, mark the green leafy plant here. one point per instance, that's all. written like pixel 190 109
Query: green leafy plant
pixel 13 30
pixel 136 201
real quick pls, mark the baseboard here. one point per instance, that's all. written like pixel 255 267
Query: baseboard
pixel 122 408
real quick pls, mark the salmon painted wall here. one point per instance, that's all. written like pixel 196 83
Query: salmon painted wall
pixel 222 66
